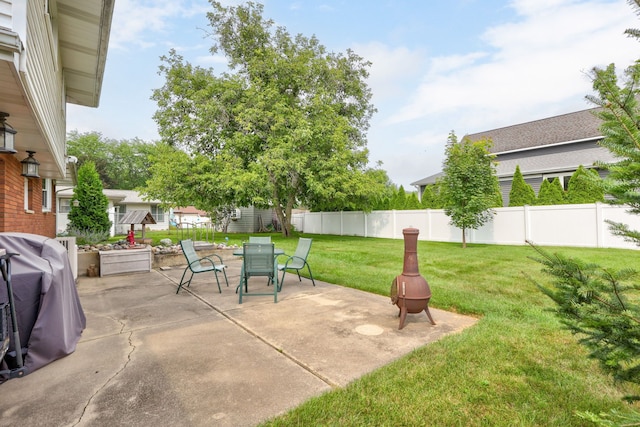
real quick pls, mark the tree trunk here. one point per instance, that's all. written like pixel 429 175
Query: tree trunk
pixel 285 221
pixel 464 238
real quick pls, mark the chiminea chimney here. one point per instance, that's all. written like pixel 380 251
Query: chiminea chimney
pixel 410 291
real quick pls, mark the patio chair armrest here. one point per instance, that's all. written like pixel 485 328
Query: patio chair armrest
pixel 291 258
pixel 279 255
pixel 207 258
pixel 216 256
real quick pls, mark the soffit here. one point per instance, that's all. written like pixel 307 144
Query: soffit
pixel 83 33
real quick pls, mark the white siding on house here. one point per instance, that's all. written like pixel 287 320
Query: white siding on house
pixel 249 221
pixel 43 81
pixel 5 14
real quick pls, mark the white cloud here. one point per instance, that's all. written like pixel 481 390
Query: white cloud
pixel 135 22
pixel 535 63
pixel 390 68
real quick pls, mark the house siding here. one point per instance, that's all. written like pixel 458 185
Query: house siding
pixel 44 83
pixel 35 90
pixel 249 221
pixel 559 158
pixel 546 148
pixel 5 14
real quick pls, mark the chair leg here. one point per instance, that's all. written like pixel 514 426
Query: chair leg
pixel 246 289
pixel 284 271
pixel 274 279
pixel 217 281
pixel 299 278
pixel 311 275
pixel 182 282
pixel 224 270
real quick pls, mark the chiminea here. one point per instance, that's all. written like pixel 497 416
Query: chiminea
pixel 410 291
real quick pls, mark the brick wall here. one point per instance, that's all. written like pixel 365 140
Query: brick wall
pixel 13 215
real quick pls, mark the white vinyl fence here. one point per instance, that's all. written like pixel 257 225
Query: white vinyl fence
pixel 561 225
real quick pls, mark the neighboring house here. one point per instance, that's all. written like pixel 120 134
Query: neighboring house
pixel 51 53
pixel 252 220
pixel 120 202
pixel 190 215
pixel 544 149
pixel 243 220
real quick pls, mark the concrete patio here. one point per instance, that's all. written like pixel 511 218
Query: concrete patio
pixel 198 358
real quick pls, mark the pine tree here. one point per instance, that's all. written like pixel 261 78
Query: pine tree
pixel 600 304
pixel 431 197
pixel 601 307
pixel 521 193
pixel 90 214
pixel 399 199
pixel 620 114
pixel 585 186
pixel 551 193
pixel 412 202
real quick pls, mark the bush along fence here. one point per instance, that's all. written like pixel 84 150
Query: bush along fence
pixel 583 225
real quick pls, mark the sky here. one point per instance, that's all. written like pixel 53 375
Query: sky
pixel 437 66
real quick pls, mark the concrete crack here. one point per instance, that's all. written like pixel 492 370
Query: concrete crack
pixel 132 348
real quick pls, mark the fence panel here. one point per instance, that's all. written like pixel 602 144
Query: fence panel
pixel 507 227
pixel 565 225
pixel 561 225
pixel 353 224
pixel 380 224
pixel 616 214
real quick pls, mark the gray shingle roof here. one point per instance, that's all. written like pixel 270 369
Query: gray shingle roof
pixel 540 136
pixel 553 130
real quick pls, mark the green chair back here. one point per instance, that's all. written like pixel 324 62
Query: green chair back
pixel 259 239
pixel 258 259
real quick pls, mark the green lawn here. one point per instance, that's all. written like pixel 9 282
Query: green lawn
pixel 515 367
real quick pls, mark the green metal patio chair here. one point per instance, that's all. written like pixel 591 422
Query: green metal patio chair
pixel 298 260
pixel 197 264
pixel 258 260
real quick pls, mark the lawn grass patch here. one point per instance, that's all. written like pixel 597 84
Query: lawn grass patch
pixel 516 366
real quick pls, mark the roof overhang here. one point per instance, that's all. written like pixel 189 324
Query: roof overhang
pixel 83 38
pixel 83 34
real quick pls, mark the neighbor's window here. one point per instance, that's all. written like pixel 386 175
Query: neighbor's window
pixel 46 195
pixel 64 206
pixel 157 213
pixel 122 209
pixel 563 178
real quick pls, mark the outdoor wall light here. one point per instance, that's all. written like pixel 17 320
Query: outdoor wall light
pixel 7 135
pixel 30 166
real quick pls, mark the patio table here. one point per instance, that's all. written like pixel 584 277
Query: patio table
pixel 240 252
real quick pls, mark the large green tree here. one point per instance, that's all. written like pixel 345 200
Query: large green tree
pixel 121 164
pixel 181 179
pixel 521 193
pixel 285 126
pixel 469 186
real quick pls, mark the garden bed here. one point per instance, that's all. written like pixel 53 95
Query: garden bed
pixel 160 257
